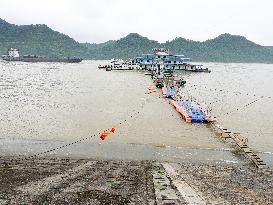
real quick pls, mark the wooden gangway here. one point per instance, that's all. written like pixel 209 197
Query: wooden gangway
pixel 241 142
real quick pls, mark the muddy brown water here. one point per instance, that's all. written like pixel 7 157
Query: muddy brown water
pixel 44 105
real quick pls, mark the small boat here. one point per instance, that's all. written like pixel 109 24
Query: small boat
pixel 200 68
pixel 179 82
pixel 102 66
pixel 148 73
pixel 117 63
pixel 168 73
pixel 108 68
pixel 151 89
pixel 191 68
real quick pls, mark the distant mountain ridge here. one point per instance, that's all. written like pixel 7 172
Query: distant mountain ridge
pixel 38 39
pixel 42 40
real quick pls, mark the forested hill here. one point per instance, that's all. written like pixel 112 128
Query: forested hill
pixel 270 48
pixel 41 40
pixel 38 39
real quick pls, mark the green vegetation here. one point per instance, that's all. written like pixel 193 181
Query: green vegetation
pixel 38 39
pixel 270 48
pixel 41 40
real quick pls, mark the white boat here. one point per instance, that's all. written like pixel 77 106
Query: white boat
pixel 117 63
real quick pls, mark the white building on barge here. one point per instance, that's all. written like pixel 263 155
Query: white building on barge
pixel 161 59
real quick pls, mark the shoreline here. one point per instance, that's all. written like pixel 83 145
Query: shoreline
pixel 82 181
pixel 126 151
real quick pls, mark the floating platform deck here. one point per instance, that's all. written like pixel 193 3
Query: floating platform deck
pixel 183 113
pixel 191 112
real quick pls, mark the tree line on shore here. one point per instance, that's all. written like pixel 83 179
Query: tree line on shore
pixel 41 40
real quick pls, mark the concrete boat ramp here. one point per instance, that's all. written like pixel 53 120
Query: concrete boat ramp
pixel 83 181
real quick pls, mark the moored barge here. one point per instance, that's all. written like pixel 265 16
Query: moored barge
pixel 13 55
pixel 162 59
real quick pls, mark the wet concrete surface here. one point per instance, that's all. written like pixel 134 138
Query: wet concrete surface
pixel 66 181
pixel 82 181
pixel 228 184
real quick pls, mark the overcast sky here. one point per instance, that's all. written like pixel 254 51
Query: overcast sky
pixel 97 21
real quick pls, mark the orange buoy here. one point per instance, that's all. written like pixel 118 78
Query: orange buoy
pixel 104 135
pixel 113 130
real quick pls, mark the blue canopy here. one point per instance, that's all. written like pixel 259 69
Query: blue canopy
pixel 164 59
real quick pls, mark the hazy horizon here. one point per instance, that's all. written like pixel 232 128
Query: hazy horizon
pixel 93 22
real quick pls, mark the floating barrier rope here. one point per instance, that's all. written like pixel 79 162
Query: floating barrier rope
pixel 225 91
pixel 208 104
pixel 103 134
pixel 245 106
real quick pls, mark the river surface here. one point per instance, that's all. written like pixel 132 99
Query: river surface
pixel 44 105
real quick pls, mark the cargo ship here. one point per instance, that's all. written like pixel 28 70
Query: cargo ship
pixel 13 55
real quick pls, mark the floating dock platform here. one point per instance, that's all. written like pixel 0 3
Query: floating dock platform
pixel 183 113
pixel 191 112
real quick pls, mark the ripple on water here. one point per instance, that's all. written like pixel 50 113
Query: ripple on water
pixel 50 101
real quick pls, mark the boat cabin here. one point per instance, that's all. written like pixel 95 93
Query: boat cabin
pixel 13 53
pixel 160 59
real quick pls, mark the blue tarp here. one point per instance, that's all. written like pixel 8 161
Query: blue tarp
pixel 163 59
pixel 196 114
pixel 171 92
